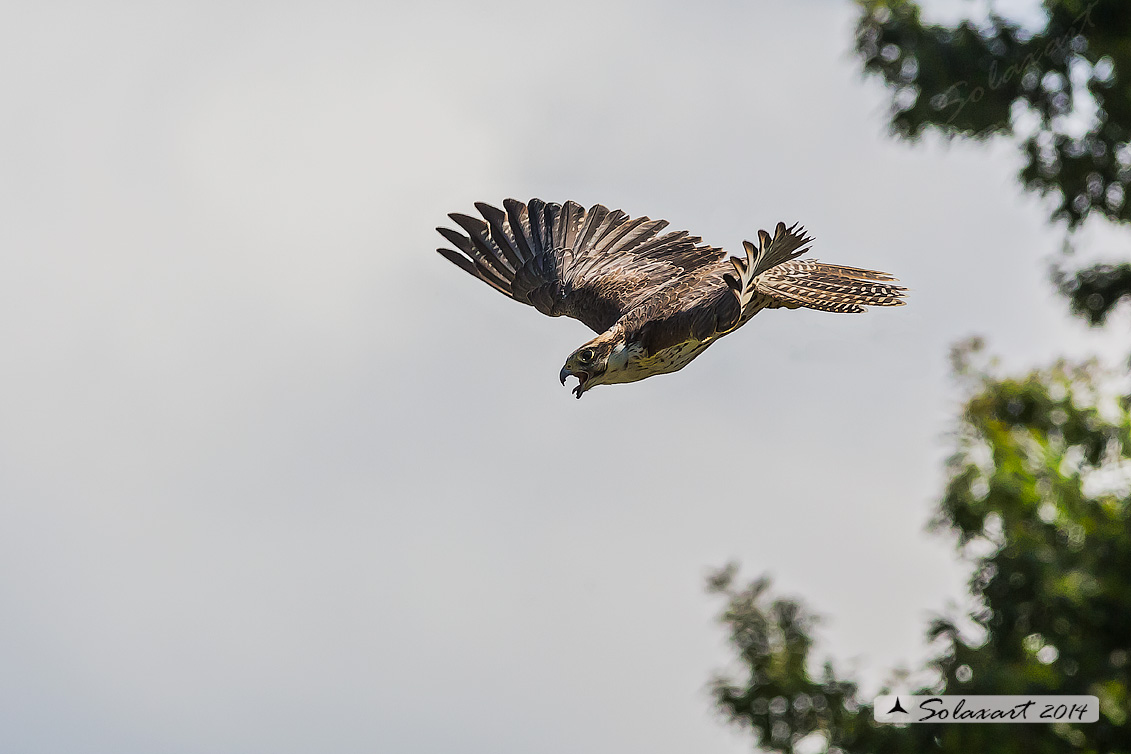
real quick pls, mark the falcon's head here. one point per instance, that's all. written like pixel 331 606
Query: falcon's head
pixel 591 365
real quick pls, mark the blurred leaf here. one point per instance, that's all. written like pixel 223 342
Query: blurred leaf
pixel 1095 291
pixel 1072 79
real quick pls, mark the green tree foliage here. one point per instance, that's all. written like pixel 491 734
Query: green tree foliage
pixel 1071 81
pixel 1040 486
pixel 1095 291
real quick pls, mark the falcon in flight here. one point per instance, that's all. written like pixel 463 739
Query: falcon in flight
pixel 657 300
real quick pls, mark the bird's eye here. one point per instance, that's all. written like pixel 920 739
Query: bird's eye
pixel 586 354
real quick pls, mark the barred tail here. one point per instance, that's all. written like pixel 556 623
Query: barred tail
pixel 829 287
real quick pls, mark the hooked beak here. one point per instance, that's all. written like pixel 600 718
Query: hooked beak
pixel 582 378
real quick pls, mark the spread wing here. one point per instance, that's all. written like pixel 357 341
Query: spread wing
pixel 564 260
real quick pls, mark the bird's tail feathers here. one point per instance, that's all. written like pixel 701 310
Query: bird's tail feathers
pixel 829 287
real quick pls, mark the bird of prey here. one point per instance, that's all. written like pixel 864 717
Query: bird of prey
pixel 657 300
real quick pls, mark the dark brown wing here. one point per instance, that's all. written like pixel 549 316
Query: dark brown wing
pixel 593 265
pixel 698 307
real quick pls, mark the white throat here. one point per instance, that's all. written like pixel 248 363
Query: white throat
pixel 624 364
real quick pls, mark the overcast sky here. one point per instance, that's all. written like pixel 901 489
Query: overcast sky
pixel 275 477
